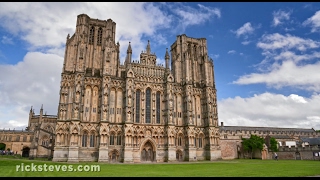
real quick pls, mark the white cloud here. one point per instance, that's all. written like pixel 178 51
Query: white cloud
pixel 231 52
pixel 282 65
pixel 271 110
pixel 286 42
pixel 245 42
pixel 280 15
pixel 6 40
pixel 47 27
pixel 244 30
pixel 292 56
pixel 20 89
pixel 191 16
pixel 215 56
pixel 289 29
pixel 314 22
pixel 15 117
pixel 288 74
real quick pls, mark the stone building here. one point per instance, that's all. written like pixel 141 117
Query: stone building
pixel 231 139
pixel 37 140
pixel 138 111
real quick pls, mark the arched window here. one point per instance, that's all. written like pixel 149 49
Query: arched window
pixel 158 106
pixel 17 138
pixel 84 139
pixel 111 139
pixel 24 138
pixel 92 138
pixel 119 99
pixel 138 106
pixel 118 139
pixel 99 40
pixel 179 141
pixel 87 102
pixel 148 105
pixel 91 35
pixel 95 100
pixel 112 104
pixel 200 142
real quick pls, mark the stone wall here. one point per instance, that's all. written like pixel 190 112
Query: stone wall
pixel 229 149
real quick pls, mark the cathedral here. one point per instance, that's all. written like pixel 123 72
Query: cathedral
pixel 137 111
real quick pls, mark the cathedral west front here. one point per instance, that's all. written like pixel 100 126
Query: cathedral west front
pixel 136 111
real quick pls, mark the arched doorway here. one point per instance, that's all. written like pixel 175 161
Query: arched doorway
pixel 179 155
pixel 148 153
pixel 114 156
pixel 25 151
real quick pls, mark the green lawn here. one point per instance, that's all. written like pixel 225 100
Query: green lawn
pixel 9 167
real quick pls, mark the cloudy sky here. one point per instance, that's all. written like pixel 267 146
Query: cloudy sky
pixel 266 55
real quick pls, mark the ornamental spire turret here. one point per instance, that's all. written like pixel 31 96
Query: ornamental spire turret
pixel 148 48
pixel 167 57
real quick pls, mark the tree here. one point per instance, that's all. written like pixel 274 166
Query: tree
pixel 2 146
pixel 253 143
pixel 273 144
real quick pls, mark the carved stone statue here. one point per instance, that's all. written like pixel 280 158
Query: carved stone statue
pixel 129 100
pixel 170 104
pixel 129 116
pixel 264 152
pixel 77 96
pixel 105 99
pixel 104 116
pixel 75 113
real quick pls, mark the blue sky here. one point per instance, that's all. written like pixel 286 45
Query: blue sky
pixel 266 54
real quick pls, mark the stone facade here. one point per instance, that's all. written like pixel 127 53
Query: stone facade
pixel 36 140
pixel 136 111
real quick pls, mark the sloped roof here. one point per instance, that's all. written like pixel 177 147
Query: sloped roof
pixel 311 141
pixel 250 128
pixel 284 136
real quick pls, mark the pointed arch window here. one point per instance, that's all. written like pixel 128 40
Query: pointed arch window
pixel 91 35
pixel 119 139
pixel 158 106
pixel 112 139
pixel 99 39
pixel 84 139
pixel 180 141
pixel 92 138
pixel 200 142
pixel 148 105
pixel 138 106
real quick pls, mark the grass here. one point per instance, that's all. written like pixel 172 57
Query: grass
pixel 222 168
